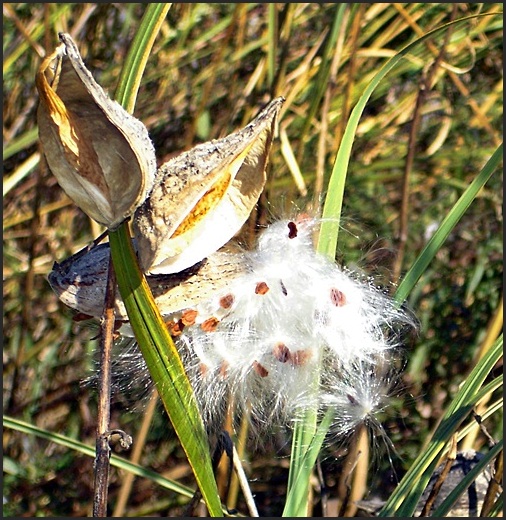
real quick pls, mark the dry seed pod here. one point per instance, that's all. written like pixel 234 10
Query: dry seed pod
pixel 100 154
pixel 203 196
pixel 80 282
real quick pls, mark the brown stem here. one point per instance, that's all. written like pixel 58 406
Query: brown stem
pixel 425 87
pixel 494 488
pixel 103 449
pixel 436 488
pixel 404 213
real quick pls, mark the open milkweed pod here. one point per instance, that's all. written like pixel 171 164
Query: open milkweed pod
pixel 202 197
pixel 100 154
pixel 80 282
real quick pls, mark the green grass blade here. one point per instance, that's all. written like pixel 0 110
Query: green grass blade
pixel 329 232
pixel 79 447
pixel 272 46
pixel 20 173
pixel 493 408
pixel 301 465
pixel 20 143
pixel 446 227
pixel 305 431
pixel 296 500
pixel 135 62
pixel 402 502
pixel 497 509
pixel 164 365
pixel 154 341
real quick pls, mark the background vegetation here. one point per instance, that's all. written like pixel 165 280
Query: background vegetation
pixel 212 68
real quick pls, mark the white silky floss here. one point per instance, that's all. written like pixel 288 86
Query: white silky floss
pixel 295 331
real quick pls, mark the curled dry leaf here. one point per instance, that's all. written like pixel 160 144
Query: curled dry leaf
pixel 101 155
pixel 202 197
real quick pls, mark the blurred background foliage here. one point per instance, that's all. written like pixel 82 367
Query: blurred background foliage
pixel 213 67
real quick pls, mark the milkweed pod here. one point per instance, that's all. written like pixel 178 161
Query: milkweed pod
pixel 100 154
pixel 202 197
pixel 80 282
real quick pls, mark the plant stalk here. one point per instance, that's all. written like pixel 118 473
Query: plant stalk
pixel 103 449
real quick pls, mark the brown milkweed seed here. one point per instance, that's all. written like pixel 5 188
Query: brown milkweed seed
pixel 261 288
pixel 210 324
pixel 260 369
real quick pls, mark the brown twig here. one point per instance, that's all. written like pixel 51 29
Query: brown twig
pixel 103 450
pixel 452 455
pixel 425 87
pixel 494 487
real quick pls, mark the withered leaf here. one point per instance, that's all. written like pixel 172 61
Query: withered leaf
pixel 202 197
pixel 100 154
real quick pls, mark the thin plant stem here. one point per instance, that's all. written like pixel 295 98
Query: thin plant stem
pixel 324 121
pixel 492 333
pixel 494 487
pixel 243 480
pixel 410 159
pixel 434 492
pixel 239 456
pixel 103 449
pixel 140 442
